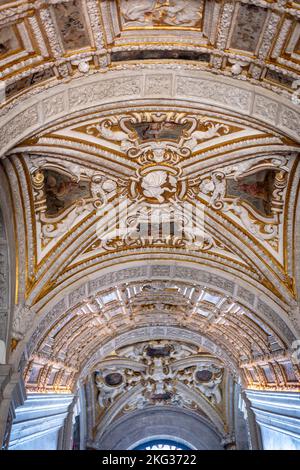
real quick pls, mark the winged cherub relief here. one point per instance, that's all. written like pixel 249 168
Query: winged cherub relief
pixel 155 184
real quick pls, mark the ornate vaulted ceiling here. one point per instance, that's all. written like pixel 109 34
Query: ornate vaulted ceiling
pixel 113 167
pixel 43 42
pixel 196 161
pixel 112 111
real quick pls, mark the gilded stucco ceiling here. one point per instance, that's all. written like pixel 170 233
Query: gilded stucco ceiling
pixel 110 111
pixel 43 42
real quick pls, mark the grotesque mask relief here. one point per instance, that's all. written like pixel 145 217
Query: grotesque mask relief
pixel 207 378
pixel 159 373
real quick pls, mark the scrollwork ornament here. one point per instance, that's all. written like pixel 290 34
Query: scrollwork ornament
pixel 22 321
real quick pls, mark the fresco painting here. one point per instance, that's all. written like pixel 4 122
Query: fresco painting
pixel 8 41
pixel 61 192
pixel 71 23
pixel 255 189
pixel 158 130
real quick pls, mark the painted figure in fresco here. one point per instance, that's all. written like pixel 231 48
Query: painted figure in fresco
pixel 255 189
pixel 162 130
pixel 58 187
pixel 4 47
pixel 70 20
pixel 158 130
pixel 153 130
pixel 61 191
pixel 8 40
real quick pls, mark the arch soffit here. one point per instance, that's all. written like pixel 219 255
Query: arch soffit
pixel 237 97
pixel 269 312
pixel 185 412
pixel 69 101
pixel 214 419
pixel 245 98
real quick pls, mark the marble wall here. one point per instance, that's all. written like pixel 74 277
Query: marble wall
pixel 40 424
pixel 277 416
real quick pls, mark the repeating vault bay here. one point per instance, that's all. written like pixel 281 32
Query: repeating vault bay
pixel 149 224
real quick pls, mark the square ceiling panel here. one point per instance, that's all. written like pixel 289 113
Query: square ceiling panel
pixel 158 21
pixel 161 14
pixel 248 27
pixel 19 47
pixel 71 23
pixel 10 41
